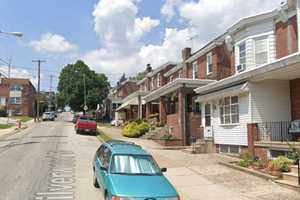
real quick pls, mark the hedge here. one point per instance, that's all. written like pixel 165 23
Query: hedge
pixel 136 129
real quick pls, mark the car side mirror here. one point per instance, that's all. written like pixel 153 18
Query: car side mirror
pixel 163 169
pixel 103 168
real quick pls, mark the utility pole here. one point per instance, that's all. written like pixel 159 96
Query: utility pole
pixel 50 94
pixel 85 107
pixel 38 93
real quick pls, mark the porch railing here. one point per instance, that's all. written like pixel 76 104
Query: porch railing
pixel 274 131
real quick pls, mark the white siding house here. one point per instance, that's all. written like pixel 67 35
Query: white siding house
pixel 259 43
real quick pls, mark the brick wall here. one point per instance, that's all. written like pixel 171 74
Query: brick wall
pixel 295 98
pixel 173 123
pixel 281 32
pixel 127 89
pixel 223 64
pixel 194 125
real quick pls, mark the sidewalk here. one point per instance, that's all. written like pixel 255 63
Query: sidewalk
pixel 199 176
pixel 13 130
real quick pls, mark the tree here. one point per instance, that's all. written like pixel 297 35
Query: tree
pixel 71 86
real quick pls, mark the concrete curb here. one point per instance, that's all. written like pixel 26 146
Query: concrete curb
pixel 249 171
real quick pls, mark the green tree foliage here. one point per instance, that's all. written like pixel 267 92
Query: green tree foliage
pixel 71 87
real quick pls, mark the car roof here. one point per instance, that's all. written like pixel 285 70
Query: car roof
pixel 123 147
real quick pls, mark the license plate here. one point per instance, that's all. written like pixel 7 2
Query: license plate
pixel 87 130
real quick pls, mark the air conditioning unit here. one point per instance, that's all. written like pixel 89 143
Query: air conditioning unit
pixel 241 67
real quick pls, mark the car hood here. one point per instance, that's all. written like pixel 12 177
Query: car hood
pixel 142 186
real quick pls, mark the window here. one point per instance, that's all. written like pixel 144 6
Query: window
pixel 261 51
pixel 207 115
pixel 232 149
pixel 114 106
pixel 195 70
pixel 16 88
pixel 2 101
pixel 209 64
pixel 171 78
pixel 229 110
pixel 15 100
pixel 134 165
pixel 158 80
pixel 242 57
pixel 152 83
pixel 172 104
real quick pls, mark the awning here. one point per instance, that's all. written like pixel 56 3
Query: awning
pixel 174 85
pixel 132 99
pixel 231 91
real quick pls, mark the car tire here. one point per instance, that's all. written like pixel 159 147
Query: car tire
pixel 95 182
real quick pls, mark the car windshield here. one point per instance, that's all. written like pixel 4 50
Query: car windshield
pixel 134 165
pixel 87 119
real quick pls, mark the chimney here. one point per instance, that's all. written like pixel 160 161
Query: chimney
pixel 148 68
pixel 186 53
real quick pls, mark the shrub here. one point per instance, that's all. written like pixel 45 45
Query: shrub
pixel 245 163
pixel 259 164
pixel 294 154
pixel 281 163
pixel 143 128
pixel 247 156
pixel 136 129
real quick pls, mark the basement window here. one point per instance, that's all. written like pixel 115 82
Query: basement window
pixel 229 149
pixel 274 153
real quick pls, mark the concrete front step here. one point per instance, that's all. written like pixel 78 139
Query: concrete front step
pixel 294 169
pixel 293 177
pixel 289 184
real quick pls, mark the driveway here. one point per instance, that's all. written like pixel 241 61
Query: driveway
pixel 200 176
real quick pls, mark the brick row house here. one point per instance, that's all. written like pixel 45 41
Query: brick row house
pixel 17 96
pixel 241 90
pixel 253 108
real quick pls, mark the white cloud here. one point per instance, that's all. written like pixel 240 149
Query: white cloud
pixel 209 18
pixel 170 8
pixel 121 31
pixel 52 43
pixel 19 73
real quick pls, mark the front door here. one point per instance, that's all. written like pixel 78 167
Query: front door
pixel 207 121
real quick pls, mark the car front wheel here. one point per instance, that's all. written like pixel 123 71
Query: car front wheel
pixel 95 181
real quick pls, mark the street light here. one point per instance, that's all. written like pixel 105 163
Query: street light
pixel 17 34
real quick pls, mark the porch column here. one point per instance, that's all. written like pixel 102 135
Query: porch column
pixel 148 110
pixel 162 110
pixel 140 108
pixel 252 132
pixel 182 114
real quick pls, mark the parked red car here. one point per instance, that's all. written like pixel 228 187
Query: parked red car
pixel 86 124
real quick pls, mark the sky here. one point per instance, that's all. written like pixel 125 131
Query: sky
pixel 111 36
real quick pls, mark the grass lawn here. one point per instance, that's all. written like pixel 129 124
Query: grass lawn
pixel 104 124
pixel 102 136
pixel 23 118
pixel 5 126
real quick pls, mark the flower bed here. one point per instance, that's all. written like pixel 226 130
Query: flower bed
pixel 273 167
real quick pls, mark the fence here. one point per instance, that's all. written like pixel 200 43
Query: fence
pixel 274 131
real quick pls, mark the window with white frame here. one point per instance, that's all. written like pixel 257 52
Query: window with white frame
pixel 229 110
pixel 152 83
pixel 2 101
pixel 242 57
pixel 15 88
pixel 209 63
pixel 261 51
pixel 195 70
pixel 15 100
pixel 158 80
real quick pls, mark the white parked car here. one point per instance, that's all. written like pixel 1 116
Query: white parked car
pixel 116 122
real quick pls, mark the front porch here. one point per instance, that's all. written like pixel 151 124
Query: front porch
pixel 177 109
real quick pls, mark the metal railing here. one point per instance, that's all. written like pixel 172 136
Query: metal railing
pixel 274 131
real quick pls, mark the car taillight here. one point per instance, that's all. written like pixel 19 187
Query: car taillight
pixel 115 198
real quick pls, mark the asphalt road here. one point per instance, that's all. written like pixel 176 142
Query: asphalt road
pixel 47 161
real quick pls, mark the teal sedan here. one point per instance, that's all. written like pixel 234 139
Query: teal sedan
pixel 125 171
